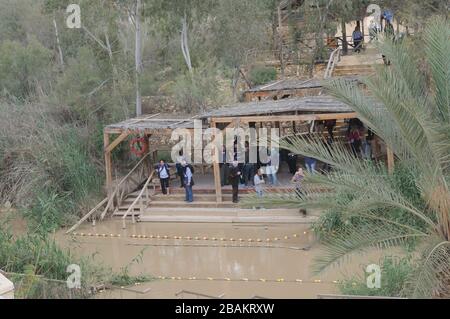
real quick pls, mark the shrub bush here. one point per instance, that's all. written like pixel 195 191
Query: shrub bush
pixel 262 75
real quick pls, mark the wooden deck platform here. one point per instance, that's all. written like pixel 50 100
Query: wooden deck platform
pixel 205 208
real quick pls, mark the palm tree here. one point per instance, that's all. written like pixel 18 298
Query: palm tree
pixel 408 107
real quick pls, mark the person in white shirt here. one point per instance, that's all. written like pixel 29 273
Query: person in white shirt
pixel 258 180
pixel 164 176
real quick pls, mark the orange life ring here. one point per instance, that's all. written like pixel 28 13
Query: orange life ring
pixel 139 146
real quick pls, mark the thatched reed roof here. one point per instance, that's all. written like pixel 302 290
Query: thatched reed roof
pixel 305 105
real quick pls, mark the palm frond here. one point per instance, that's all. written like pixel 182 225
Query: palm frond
pixel 357 239
pixel 432 275
pixel 372 113
pixel 437 47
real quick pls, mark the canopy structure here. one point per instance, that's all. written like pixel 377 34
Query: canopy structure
pixel 279 113
pixel 311 108
pixel 312 105
pixel 147 125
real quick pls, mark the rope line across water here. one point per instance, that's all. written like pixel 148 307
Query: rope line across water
pixel 189 238
pixel 278 280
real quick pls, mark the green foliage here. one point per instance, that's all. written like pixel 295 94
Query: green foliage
pixel 262 75
pixel 50 175
pixel 41 253
pixel 194 92
pixel 402 180
pixel 23 68
pixel 38 266
pixel 124 278
pixel 394 275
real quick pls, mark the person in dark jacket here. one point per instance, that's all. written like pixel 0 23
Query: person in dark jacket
pixel 235 176
pixel 180 172
pixel 357 39
pixel 223 167
pixel 292 162
pixel 188 172
pixel 162 170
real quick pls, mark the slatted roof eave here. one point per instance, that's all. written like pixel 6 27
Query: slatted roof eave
pixel 155 122
pixel 305 105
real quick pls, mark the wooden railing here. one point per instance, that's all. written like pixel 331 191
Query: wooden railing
pixel 139 199
pixel 125 186
pixel 335 57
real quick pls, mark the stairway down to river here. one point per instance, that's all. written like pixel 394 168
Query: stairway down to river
pixel 355 64
pixel 205 209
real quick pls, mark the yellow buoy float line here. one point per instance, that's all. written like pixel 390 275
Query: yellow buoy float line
pixel 277 280
pixel 205 238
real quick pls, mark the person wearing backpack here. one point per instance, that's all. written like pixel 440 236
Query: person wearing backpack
pixel 163 172
pixel 357 39
pixel 188 172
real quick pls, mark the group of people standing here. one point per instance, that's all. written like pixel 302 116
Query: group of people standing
pixel 251 175
pixel 185 172
pixel 361 140
pixel 375 28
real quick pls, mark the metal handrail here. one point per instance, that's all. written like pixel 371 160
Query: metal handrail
pixel 138 199
pixel 332 63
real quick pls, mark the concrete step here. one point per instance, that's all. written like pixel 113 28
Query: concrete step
pixel 179 197
pixel 350 69
pixel 181 204
pixel 200 190
pixel 351 72
pixel 358 69
pixel 199 204
pixel 199 211
pixel 227 219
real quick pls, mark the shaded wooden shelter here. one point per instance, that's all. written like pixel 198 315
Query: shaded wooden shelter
pixel 280 114
pixel 146 126
pixel 291 116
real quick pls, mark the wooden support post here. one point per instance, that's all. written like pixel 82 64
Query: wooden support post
pixel 108 164
pixel 116 142
pixel 216 169
pixel 390 160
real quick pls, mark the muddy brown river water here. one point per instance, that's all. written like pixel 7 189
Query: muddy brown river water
pixel 227 260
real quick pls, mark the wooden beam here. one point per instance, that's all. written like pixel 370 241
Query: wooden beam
pixel 216 169
pixel 108 164
pixel 287 118
pixel 390 160
pixel 116 142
